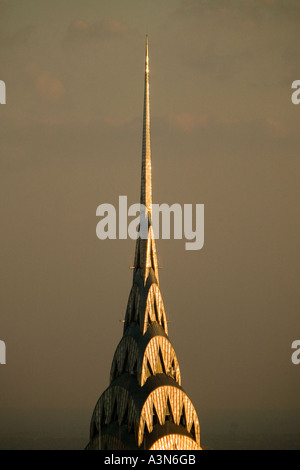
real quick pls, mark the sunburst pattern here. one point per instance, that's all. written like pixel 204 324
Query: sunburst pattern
pixel 144 406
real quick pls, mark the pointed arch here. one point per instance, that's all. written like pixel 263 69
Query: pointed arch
pixel 174 397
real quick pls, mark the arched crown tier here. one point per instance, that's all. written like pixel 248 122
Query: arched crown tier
pixel 160 402
pixel 145 306
pixel 145 356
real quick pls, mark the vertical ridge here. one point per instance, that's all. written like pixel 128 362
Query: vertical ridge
pixel 146 177
pixel 145 253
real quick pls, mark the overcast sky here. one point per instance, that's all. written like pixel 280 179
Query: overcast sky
pixel 224 133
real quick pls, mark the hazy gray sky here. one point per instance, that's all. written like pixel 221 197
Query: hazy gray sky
pixel 224 133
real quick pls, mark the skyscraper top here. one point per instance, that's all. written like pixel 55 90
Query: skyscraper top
pixel 146 180
pixel 145 406
pixel 145 255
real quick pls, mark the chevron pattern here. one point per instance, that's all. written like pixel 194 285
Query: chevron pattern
pixel 145 406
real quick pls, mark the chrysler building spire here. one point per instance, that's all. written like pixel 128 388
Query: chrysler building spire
pixel 144 406
pixel 145 254
pixel 146 180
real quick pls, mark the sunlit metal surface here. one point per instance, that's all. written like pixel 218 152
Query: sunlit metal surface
pixel 175 442
pixel 144 406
